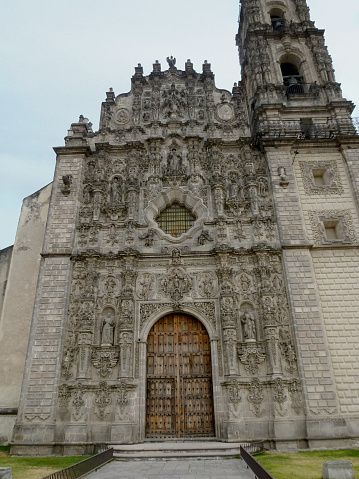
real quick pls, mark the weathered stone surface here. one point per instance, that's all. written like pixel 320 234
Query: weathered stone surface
pixel 338 470
pixel 5 473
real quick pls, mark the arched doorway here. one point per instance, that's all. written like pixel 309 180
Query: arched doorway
pixel 179 379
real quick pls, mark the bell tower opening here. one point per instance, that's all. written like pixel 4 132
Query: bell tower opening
pixel 292 78
pixel 277 20
pixel 179 379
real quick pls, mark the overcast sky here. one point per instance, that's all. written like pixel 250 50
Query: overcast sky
pixel 59 57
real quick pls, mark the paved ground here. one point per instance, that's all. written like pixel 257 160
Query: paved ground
pixel 174 469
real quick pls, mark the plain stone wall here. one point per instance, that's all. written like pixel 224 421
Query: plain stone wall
pixel 42 369
pixel 19 299
pixel 5 260
pixel 337 274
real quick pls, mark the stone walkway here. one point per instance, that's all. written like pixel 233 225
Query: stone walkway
pixel 175 469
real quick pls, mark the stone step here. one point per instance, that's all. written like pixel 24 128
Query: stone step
pixel 175 450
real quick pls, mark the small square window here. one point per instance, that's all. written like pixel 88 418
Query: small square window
pixel 333 230
pixel 319 176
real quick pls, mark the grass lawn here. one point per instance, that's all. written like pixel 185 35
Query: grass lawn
pixel 34 467
pixel 305 465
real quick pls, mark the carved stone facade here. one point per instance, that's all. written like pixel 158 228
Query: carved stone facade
pixel 190 199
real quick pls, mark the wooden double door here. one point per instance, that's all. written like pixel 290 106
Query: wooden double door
pixel 179 379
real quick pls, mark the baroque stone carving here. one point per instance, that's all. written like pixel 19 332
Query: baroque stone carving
pixel 255 396
pixel 341 220
pixel 207 308
pixel 78 400
pixel 207 284
pixel 107 329
pixel 279 396
pixel 122 396
pixel 296 394
pixel 329 174
pixel 176 284
pixel 64 398
pixel 146 285
pixel 102 400
pixel 251 355
pixel 249 326
pixel 104 359
pixel 287 349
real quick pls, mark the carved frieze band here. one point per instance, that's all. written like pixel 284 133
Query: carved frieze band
pixel 286 393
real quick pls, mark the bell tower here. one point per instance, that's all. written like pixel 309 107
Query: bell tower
pixel 286 68
pixel 301 123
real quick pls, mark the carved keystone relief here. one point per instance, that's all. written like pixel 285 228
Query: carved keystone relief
pixel 332 227
pixel 321 177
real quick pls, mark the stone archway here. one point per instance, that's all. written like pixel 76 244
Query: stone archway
pixel 179 401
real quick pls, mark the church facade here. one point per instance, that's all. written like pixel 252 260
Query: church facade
pixel 196 271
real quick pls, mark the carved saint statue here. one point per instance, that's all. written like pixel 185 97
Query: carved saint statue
pixel 249 326
pixel 115 192
pixel 107 330
pixel 218 198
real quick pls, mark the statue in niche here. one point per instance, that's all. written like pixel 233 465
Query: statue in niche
pixel 218 198
pixel 115 191
pixel 249 326
pixel 107 329
pixel 254 199
pixel 174 162
pixel 195 184
pixel 110 286
pixel 262 187
pixel 245 283
pixel 88 194
pixel 233 190
pixel 154 185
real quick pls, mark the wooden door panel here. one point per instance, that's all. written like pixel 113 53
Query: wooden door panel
pixel 179 382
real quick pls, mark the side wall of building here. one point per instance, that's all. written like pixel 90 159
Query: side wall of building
pixel 21 276
pixel 5 261
pixel 335 263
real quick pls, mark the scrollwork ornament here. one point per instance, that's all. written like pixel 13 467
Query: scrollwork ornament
pixel 252 356
pixel 122 396
pixel 296 394
pixel 104 359
pixel 279 396
pixel 78 400
pixel 67 362
pixel 64 398
pixel 234 392
pixel 102 400
pixel 255 396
